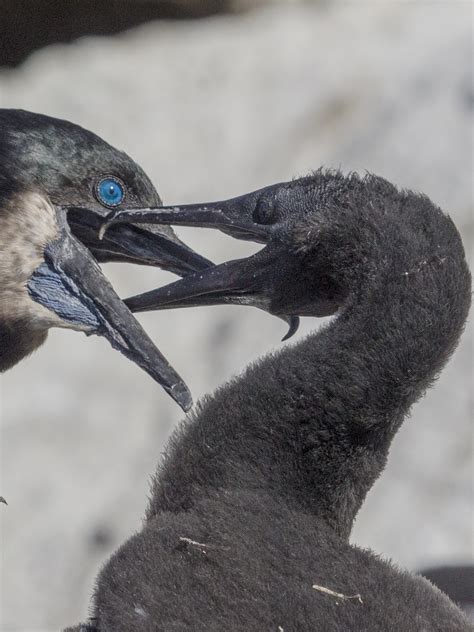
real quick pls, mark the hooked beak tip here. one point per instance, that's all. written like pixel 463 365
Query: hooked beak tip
pixel 186 406
pixel 180 393
pixel 108 221
pixel 71 284
pixel 293 325
pixel 114 217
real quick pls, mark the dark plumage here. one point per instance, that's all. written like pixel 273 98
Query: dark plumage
pixel 253 503
pixel 65 161
pixel 54 181
pixel 457 582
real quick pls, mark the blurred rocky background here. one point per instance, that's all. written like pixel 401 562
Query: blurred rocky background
pixel 242 97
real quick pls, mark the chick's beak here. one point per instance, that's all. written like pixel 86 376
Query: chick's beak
pixel 234 217
pixel 70 283
pixel 247 281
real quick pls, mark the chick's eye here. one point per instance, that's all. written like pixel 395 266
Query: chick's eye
pixel 110 192
pixel 264 212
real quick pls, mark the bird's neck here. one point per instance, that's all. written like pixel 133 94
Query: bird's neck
pixel 314 423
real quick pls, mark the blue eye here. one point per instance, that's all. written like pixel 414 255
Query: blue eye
pixel 110 192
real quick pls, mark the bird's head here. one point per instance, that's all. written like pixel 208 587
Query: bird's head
pixel 310 253
pixel 57 182
pixel 77 169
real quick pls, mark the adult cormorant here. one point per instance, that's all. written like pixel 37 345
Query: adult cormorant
pixel 48 277
pixel 252 507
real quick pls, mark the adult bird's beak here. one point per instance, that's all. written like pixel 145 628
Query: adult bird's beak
pixel 241 282
pixel 132 244
pixel 70 283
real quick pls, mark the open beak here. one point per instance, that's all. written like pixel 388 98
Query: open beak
pixel 249 281
pixel 70 283
pixel 150 245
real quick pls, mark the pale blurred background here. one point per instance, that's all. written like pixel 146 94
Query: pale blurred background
pixel 212 108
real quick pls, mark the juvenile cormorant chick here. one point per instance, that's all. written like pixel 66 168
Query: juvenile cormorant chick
pixel 252 507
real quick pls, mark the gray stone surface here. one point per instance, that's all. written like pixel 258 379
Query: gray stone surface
pixel 210 109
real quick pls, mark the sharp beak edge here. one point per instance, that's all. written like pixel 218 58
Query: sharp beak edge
pixel 229 216
pixel 153 246
pixel 240 282
pixel 71 284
